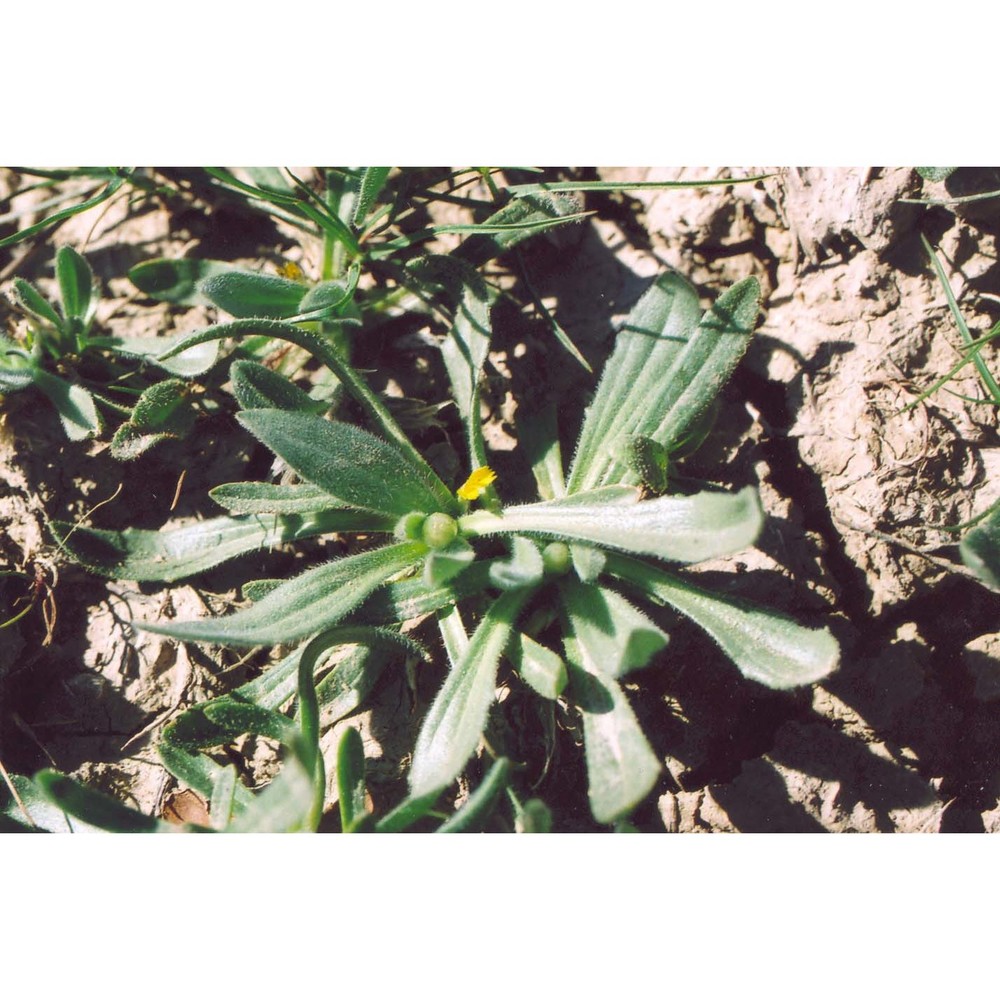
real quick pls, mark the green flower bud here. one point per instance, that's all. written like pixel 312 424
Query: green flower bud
pixel 556 558
pixel 439 531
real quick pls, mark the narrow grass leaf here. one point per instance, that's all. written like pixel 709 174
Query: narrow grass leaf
pixel 24 234
pixel 456 719
pixel 515 222
pixel 767 647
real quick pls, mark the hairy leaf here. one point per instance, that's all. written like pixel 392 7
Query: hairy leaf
pixel 352 465
pixel 246 294
pixel 176 280
pixel 681 529
pixel 665 371
pixel 173 553
pixel 455 721
pixel 614 636
pixel 257 387
pixel 309 603
pixel 767 646
pixel 621 766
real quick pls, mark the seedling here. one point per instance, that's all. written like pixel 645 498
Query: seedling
pixel 82 373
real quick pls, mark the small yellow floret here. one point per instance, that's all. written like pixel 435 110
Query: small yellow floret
pixel 473 487
pixel 289 269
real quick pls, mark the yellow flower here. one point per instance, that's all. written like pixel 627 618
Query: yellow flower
pixel 473 487
pixel 289 269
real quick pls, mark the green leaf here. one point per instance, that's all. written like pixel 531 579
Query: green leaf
pixel 173 553
pixel 42 815
pixel 28 298
pixel 587 561
pixel 351 780
pixel 351 380
pixel 408 812
pixel 177 281
pixel 980 550
pixel 767 646
pixel 300 498
pixel 198 771
pixel 188 363
pixel 74 404
pixel 287 804
pixel 665 371
pixel 95 808
pixel 161 412
pixel 682 529
pixel 328 298
pixel 246 294
pixel 76 285
pixel 352 678
pixel 411 598
pixel 534 817
pixel 538 435
pixel 309 603
pixel 476 811
pixel 516 222
pixel 614 636
pixel 542 669
pixel 464 353
pixel 441 565
pixel 621 766
pixel 17 370
pixel 238 718
pixel 257 387
pixel 223 797
pixel 352 465
pixel 935 173
pixel 372 182
pixel 451 730
pixel 523 568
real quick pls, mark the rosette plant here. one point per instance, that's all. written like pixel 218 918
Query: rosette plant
pixel 553 586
